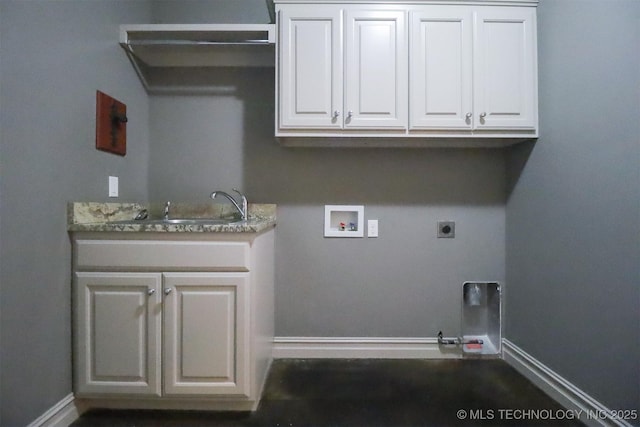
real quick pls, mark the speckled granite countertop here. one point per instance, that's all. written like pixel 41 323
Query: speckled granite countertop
pixel 118 217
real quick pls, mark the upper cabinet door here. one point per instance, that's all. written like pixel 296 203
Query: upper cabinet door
pixel 505 89
pixel 376 69
pixel 310 67
pixel 441 68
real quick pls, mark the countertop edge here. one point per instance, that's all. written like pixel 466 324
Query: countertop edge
pixel 101 217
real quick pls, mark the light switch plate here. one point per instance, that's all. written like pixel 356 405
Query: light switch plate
pixel 372 228
pixel 113 186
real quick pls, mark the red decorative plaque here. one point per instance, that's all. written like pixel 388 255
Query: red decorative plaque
pixel 111 124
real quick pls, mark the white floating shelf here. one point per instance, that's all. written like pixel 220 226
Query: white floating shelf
pixel 153 48
pixel 200 45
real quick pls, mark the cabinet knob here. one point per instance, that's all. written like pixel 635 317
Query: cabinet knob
pixel 336 114
pixel 483 115
pixel 151 292
pixel 349 114
pixel 468 116
pixel 167 291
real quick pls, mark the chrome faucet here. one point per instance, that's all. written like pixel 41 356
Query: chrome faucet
pixel 242 210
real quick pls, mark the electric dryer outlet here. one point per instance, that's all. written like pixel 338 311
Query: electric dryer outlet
pixel 446 229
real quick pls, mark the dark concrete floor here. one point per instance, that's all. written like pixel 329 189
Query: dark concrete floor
pixel 365 392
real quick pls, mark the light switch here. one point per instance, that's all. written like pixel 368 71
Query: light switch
pixel 372 228
pixel 113 186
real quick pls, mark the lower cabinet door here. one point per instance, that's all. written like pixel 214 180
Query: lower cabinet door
pixel 117 333
pixel 205 334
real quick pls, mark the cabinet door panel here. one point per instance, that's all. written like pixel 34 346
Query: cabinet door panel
pixel 117 328
pixel 205 339
pixel 210 307
pixel 376 68
pixel 505 77
pixel 310 68
pixel 441 68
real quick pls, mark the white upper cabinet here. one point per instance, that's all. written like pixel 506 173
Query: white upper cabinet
pixel 473 69
pixel 376 67
pixel 505 77
pixel 441 69
pixel 417 70
pixel 341 69
pixel 310 64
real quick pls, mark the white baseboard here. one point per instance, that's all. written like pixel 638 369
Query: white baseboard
pixel 592 412
pixel 360 348
pixel 62 414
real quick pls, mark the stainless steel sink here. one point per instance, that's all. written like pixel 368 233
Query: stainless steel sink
pixel 178 221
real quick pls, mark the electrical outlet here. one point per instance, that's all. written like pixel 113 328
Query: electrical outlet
pixel 446 229
pixel 372 228
pixel 113 186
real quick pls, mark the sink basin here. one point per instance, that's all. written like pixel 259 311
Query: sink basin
pixel 178 221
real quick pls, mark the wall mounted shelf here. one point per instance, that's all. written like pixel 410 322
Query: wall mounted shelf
pixel 155 46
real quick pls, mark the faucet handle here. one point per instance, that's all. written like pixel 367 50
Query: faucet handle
pixel 242 196
pixel 167 207
pixel 245 203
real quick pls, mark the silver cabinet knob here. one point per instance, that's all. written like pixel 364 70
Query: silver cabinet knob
pixel 336 114
pixel 167 291
pixel 468 116
pixel 151 292
pixel 349 114
pixel 483 115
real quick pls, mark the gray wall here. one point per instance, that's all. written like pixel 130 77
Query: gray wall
pixel 210 11
pixel 573 211
pixel 406 283
pixel 55 55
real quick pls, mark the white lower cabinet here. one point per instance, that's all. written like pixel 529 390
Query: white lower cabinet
pixel 205 334
pixel 168 335
pixel 118 327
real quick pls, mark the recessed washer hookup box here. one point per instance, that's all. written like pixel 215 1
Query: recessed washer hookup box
pixel 481 318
